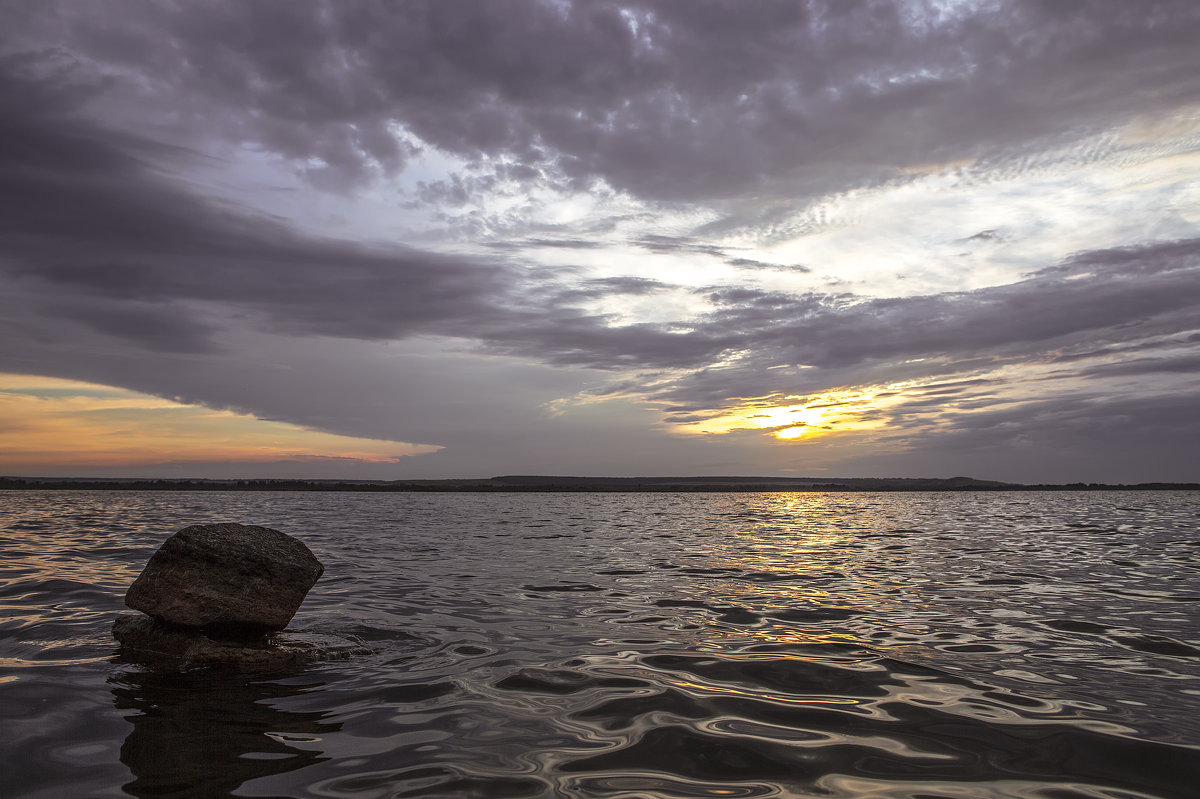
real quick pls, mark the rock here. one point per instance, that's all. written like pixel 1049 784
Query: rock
pixel 152 642
pixel 235 580
pixel 167 647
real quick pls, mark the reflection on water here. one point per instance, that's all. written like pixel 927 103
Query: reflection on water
pixel 204 733
pixel 805 719
pixel 892 646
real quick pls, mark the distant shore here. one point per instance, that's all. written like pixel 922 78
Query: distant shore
pixel 539 483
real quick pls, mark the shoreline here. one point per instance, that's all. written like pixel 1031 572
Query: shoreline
pixel 573 485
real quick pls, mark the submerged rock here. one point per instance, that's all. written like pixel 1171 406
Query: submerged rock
pixel 239 580
pixel 154 643
pixel 166 647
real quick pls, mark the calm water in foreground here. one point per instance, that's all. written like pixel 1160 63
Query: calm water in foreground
pixel 630 645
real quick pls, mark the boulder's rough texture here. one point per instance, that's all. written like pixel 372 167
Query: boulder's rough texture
pixel 152 642
pixel 164 647
pixel 238 579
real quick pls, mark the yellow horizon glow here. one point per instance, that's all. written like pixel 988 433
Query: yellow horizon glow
pixel 51 422
pixel 793 417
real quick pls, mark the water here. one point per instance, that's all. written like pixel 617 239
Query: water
pixel 630 645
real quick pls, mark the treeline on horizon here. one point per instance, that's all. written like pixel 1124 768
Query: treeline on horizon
pixel 581 485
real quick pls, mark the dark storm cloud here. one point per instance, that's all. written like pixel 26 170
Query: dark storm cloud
pixel 87 219
pixel 163 327
pixel 100 237
pixel 96 240
pixel 118 270
pixel 667 100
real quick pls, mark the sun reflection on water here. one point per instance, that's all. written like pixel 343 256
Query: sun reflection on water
pixel 797 563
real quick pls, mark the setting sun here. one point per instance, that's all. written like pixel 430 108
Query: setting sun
pixel 793 417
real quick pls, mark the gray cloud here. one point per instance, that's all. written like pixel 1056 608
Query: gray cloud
pixel 683 245
pixel 1185 364
pixel 92 224
pixel 596 288
pixel 85 217
pixel 665 100
pixel 564 244
pixel 1134 292
pixel 1092 438
pixel 1133 300
pixel 751 264
pixel 119 269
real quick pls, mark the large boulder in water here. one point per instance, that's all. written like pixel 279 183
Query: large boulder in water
pixel 238 579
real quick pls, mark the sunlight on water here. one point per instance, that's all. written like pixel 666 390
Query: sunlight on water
pixel 630 645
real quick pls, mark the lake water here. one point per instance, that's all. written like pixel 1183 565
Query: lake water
pixel 917 646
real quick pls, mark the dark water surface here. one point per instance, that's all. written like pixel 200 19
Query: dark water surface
pixel 630 645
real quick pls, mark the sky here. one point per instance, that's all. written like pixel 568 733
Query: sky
pixel 369 240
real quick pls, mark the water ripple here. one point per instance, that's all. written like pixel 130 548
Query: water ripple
pixel 898 646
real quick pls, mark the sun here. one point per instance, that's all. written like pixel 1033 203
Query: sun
pixel 793 417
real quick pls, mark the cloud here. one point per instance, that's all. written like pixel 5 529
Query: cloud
pixel 750 263
pixel 1129 293
pixel 1184 364
pixel 593 208
pixel 958 372
pixel 102 237
pixel 679 244
pixel 97 239
pixel 84 428
pixel 1092 438
pixel 565 244
pixel 665 101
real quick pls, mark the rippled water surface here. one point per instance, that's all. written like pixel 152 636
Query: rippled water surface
pixel 629 645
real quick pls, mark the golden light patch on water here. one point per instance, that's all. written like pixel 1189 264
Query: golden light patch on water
pixel 787 635
pixel 695 687
pixel 52 422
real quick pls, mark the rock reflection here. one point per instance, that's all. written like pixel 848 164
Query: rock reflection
pixel 205 733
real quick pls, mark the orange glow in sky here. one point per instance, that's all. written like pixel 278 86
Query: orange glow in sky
pixel 47 422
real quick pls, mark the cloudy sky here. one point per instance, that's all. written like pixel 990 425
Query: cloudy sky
pixel 437 239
